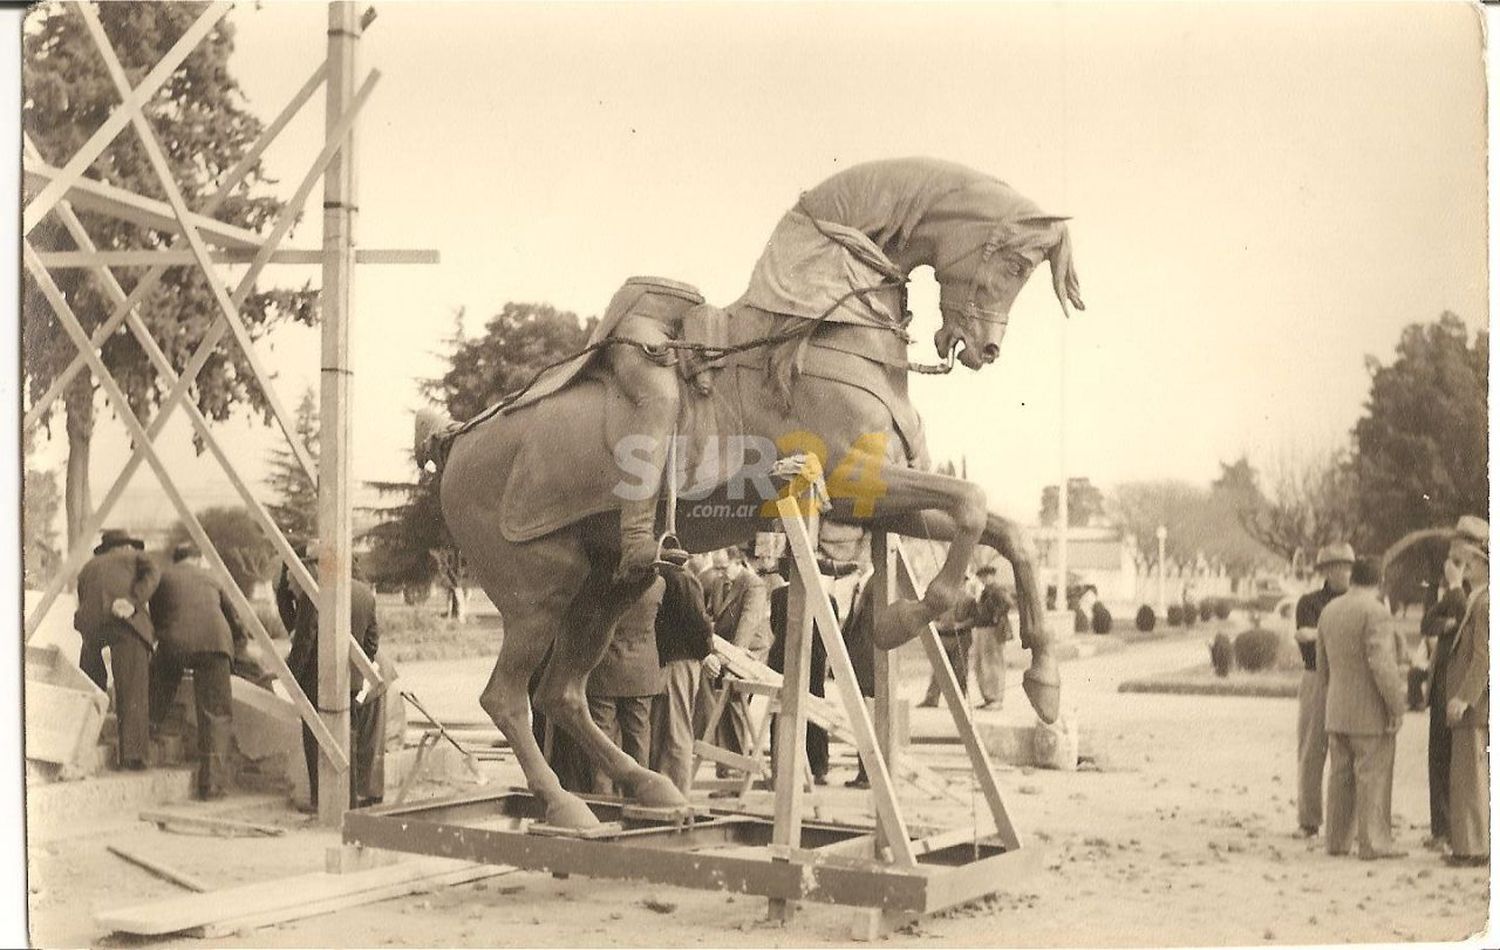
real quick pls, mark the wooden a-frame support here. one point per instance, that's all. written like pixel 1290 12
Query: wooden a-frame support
pixel 62 188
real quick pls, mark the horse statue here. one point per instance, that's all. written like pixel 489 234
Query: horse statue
pixel 812 360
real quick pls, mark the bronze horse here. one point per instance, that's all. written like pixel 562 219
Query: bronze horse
pixel 526 492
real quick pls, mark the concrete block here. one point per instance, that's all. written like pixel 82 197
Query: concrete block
pixel 1017 744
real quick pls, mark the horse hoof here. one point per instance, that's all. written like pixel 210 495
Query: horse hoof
pixel 901 621
pixel 657 791
pixel 569 811
pixel 1043 688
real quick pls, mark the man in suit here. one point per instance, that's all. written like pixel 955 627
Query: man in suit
pixel 1334 562
pixel 198 630
pixel 114 595
pixel 684 637
pixel 1358 660
pixel 622 686
pixel 991 630
pixel 740 606
pixel 367 707
pixel 1439 627
pixel 1468 707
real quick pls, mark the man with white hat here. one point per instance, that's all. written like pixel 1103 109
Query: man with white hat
pixel 1334 562
pixel 1468 689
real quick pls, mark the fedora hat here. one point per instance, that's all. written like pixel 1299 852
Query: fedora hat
pixel 1340 553
pixel 1472 534
pixel 112 538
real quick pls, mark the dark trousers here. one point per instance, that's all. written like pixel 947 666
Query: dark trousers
pixel 213 704
pixel 366 750
pixel 91 661
pixel 1439 741
pixel 627 722
pixel 130 662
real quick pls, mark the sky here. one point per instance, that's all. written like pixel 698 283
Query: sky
pixel 1261 196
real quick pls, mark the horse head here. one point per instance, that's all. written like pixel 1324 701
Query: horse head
pixel 985 256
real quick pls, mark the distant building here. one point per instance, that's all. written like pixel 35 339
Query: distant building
pixel 1103 556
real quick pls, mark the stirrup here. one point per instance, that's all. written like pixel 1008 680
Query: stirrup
pixel 670 557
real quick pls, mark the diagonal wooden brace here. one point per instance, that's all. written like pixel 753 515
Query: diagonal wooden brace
pixel 52 192
pixel 138 433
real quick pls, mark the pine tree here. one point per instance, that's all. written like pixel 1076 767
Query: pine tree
pixel 296 509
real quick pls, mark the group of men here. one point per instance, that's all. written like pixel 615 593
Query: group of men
pixel 655 688
pixel 158 621
pixel 1353 700
pixel 160 615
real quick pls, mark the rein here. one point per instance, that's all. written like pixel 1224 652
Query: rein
pixel 893 279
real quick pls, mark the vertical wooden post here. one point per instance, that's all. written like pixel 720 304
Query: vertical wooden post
pixel 791 731
pixel 885 668
pixel 334 528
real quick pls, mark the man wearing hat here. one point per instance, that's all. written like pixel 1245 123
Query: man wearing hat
pixel 1359 657
pixel 198 630
pixel 1468 710
pixel 114 593
pixel 1334 563
pixel 366 716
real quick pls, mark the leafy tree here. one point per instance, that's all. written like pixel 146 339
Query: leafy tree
pixel 40 500
pixel 1085 504
pixel 296 508
pixel 1422 446
pixel 1311 502
pixel 411 546
pixel 1198 521
pixel 517 342
pixel 201 119
pixel 237 537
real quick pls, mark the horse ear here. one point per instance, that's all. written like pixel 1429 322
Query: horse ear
pixel 1064 275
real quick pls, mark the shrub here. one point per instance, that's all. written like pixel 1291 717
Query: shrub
pixel 1174 615
pixel 1256 649
pixel 1206 611
pixel 1145 619
pixel 1103 621
pixel 1221 653
pixel 1189 613
pixel 1222 608
pixel 1080 621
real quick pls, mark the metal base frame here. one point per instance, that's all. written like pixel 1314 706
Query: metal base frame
pixel 718 849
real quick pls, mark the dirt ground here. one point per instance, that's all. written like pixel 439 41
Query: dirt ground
pixel 1185 838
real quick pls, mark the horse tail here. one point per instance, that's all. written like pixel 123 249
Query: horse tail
pixel 434 433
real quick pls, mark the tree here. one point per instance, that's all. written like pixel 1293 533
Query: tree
pixel 40 500
pixel 517 342
pixel 296 509
pixel 237 536
pixel 1085 504
pixel 1198 521
pixel 200 118
pixel 1422 446
pixel 411 545
pixel 1311 502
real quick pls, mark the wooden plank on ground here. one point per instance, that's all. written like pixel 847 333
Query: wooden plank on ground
pixel 289 898
pixel 210 822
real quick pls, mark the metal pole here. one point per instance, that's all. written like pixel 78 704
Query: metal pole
pixel 1062 465
pixel 334 528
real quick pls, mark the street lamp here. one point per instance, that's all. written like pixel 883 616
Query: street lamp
pixel 1161 570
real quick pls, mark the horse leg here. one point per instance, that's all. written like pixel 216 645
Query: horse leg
pixel 527 636
pixel 1041 680
pixel 581 642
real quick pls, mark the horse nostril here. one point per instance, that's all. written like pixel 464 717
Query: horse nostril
pixel 991 352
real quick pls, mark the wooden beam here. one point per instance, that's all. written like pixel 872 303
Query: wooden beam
pixel 131 100
pixel 226 826
pixel 164 871
pixel 163 367
pixel 61 260
pixel 979 758
pixel 791 733
pixel 206 347
pixel 887 808
pixel 232 180
pixel 101 198
pixel 335 525
pixel 885 669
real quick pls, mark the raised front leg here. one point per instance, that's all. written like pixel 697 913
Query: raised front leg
pixel 1041 681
